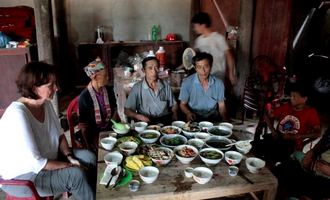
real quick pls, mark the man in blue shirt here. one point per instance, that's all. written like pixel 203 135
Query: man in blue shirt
pixel 202 95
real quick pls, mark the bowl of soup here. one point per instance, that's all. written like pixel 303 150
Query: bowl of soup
pixel 218 142
pixel 149 136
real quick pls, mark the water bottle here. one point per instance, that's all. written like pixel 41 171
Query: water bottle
pixel 161 56
pixel 154 33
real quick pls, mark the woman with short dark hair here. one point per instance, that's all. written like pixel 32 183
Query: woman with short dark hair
pixel 31 140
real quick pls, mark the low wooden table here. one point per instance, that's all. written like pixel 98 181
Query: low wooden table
pixel 172 183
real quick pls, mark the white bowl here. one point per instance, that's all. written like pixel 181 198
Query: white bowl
pixel 191 134
pixel 149 140
pixel 140 126
pixel 202 175
pixel 128 148
pixel 218 142
pixel 121 132
pixel 233 157
pixel 208 160
pixel 198 143
pixel 176 130
pixel 227 124
pixel 254 165
pixel 149 174
pixel 108 142
pixel 222 131
pixel 114 158
pixel 179 124
pixel 243 147
pixel 165 138
pixel 202 135
pixel 165 153
pixel 205 125
pixel 182 159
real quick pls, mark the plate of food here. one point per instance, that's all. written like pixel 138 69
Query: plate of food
pixel 190 131
pixel 170 130
pixel 128 139
pixel 172 141
pixel 220 131
pixel 137 162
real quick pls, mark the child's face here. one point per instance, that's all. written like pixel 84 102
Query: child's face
pixel 297 99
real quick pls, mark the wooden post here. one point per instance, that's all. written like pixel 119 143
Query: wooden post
pixel 244 44
pixel 45 35
pixel 44 29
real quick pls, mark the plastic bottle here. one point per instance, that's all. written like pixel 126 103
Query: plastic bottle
pixel 151 53
pixel 161 56
pixel 154 33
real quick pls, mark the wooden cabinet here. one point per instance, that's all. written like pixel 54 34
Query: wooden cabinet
pixel 11 61
pixel 108 52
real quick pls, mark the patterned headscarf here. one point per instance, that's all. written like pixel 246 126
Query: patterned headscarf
pixel 94 67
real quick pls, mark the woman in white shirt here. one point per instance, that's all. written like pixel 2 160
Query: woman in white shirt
pixel 31 140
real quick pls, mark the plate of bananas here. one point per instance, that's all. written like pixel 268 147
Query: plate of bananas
pixel 136 162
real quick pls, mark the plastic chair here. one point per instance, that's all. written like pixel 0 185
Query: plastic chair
pixel 264 84
pixel 23 183
pixel 72 114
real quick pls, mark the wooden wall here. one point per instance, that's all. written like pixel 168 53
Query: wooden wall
pixel 271 29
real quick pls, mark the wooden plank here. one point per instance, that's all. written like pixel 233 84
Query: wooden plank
pixel 271 29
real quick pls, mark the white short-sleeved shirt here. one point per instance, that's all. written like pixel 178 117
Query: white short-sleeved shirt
pixel 25 143
pixel 216 45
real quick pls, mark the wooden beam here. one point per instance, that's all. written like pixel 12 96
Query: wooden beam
pixel 244 44
pixel 44 29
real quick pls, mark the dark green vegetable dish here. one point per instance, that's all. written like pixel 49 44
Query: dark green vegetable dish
pixel 211 154
pixel 219 132
pixel 217 143
pixel 175 141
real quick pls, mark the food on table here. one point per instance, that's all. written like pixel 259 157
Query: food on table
pixel 186 152
pixel 149 135
pixel 218 132
pixel 191 128
pixel 175 141
pixel 137 162
pixel 128 139
pixel 146 148
pixel 217 143
pixel 170 130
pixel 211 154
pixel 160 154
pixel 153 127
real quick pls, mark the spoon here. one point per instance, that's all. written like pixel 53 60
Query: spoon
pixel 231 144
pixel 113 173
pixel 119 126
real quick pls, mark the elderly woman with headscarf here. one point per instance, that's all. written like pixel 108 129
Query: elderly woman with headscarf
pixel 97 104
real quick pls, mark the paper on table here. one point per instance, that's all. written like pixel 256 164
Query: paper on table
pixel 107 175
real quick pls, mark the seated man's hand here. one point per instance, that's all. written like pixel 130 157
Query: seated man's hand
pixel 142 118
pixel 191 117
pixel 73 161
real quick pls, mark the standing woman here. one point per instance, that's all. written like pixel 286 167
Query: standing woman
pixel 97 105
pixel 31 140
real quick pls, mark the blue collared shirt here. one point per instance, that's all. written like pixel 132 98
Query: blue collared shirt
pixel 147 102
pixel 199 100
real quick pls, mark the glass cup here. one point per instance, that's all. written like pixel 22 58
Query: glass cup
pixel 188 172
pixel 134 185
pixel 232 170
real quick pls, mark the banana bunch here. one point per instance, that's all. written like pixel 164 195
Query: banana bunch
pixel 137 162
